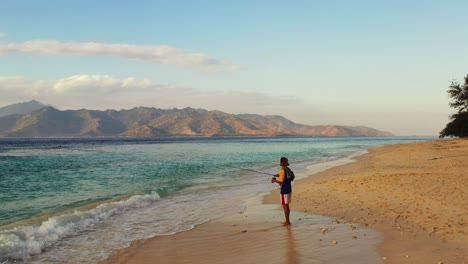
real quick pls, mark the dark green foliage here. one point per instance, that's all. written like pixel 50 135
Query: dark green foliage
pixel 459 94
pixel 458 126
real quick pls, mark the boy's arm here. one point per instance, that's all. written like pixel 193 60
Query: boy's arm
pixel 281 177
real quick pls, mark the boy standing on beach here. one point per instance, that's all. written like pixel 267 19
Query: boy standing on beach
pixel 284 180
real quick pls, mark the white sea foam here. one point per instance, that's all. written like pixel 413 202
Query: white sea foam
pixel 24 241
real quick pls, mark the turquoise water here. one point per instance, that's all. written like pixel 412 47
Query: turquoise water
pixel 79 199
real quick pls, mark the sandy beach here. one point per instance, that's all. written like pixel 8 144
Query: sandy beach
pixel 403 203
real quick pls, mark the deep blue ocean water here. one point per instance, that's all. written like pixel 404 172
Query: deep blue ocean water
pixel 77 200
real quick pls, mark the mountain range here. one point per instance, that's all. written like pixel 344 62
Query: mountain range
pixel 21 108
pixel 34 119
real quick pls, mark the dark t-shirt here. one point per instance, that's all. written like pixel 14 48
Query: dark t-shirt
pixel 286 185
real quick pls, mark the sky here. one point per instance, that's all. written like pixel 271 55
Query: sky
pixel 381 64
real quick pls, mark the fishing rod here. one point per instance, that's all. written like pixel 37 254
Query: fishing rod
pixel 258 171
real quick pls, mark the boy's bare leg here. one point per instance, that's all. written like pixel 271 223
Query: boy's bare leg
pixel 286 214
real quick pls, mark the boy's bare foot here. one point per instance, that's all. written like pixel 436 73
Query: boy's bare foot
pixel 286 223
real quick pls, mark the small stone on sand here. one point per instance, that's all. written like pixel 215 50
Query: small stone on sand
pixel 324 231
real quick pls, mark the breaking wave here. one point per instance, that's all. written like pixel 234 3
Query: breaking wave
pixel 20 243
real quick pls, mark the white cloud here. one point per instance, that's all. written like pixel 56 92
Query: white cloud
pixel 2 35
pixel 102 83
pixel 148 53
pixel 102 92
pixel 110 92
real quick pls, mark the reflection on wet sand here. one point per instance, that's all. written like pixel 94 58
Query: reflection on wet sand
pixel 291 254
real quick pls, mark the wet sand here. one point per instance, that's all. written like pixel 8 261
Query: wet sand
pixel 256 235
pixel 403 203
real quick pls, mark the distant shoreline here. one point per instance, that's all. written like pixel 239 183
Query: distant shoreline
pixel 212 137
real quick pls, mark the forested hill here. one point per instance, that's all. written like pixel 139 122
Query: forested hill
pixel 150 122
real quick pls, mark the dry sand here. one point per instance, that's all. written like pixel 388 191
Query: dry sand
pixel 415 194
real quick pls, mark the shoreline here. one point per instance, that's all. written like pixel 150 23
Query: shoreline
pixel 256 235
pixel 397 190
pixel 414 193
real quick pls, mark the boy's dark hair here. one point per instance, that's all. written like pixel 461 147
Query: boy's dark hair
pixel 283 160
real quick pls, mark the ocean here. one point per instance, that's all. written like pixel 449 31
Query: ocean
pixel 74 200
